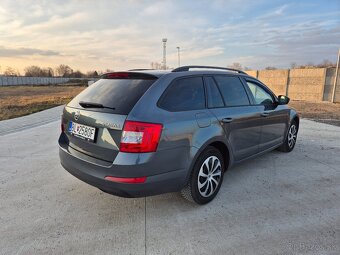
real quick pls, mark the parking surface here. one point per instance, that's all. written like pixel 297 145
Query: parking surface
pixel 276 204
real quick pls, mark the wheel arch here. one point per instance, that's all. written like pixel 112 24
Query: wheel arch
pixel 293 116
pixel 297 120
pixel 219 144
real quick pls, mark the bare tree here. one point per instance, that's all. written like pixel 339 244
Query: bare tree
pixel 236 65
pixel 92 74
pixel 156 65
pixel 36 71
pixel 270 68
pixel 48 71
pixel 64 70
pixel 77 74
pixel 309 65
pixel 11 72
pixel 33 71
pixel 326 63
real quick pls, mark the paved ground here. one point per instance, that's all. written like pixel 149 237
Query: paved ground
pixel 29 121
pixel 276 204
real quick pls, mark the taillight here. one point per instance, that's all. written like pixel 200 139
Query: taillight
pixel 126 179
pixel 140 137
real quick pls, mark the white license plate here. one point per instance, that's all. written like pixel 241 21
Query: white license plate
pixel 82 131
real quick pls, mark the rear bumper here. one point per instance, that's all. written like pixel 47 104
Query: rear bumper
pixel 94 174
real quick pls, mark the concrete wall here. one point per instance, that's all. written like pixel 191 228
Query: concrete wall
pixel 301 84
pixel 277 79
pixel 252 73
pixel 23 80
pixel 306 84
pixel 329 84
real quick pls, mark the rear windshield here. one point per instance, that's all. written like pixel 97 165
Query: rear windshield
pixel 119 94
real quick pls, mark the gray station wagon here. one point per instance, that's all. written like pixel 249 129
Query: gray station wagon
pixel 146 132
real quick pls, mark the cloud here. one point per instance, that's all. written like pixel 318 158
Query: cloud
pixel 21 52
pixel 125 34
pixel 58 23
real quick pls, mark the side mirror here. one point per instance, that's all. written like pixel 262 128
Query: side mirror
pixel 283 99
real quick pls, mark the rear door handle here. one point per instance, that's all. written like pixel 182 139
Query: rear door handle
pixel 227 120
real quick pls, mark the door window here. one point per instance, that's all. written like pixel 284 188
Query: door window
pixel 232 90
pixel 260 95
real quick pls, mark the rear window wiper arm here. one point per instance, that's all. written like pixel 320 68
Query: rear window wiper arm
pixel 94 105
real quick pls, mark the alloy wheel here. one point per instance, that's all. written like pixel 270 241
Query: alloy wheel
pixel 292 136
pixel 209 176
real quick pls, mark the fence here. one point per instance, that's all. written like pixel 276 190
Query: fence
pixel 23 80
pixel 301 84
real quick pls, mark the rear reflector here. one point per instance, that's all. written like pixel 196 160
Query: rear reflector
pixel 126 180
pixel 140 137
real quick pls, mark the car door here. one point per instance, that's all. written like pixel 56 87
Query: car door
pixel 274 117
pixel 241 121
pixel 188 116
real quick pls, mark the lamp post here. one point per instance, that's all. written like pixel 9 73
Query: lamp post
pixel 179 56
pixel 164 40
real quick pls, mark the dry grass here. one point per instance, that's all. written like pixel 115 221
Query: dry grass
pixel 321 111
pixel 17 101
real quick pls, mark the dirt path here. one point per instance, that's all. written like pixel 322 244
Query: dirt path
pixel 324 112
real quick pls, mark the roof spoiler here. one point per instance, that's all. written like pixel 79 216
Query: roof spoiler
pixel 128 75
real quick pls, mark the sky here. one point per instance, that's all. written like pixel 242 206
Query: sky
pixel 120 35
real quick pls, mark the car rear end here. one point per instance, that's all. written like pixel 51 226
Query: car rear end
pixel 101 146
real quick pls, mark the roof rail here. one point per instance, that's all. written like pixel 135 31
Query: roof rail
pixel 187 68
pixel 140 69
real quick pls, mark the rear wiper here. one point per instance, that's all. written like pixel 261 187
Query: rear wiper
pixel 94 105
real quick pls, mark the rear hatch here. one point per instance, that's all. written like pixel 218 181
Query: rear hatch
pixel 93 121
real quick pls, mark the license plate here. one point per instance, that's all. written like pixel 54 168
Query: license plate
pixel 82 131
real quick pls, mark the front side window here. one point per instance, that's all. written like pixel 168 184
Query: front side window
pixel 232 90
pixel 184 95
pixel 260 95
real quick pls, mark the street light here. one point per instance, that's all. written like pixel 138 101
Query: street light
pixel 179 56
pixel 164 40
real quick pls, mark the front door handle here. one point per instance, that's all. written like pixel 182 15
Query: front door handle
pixel 227 120
pixel 265 114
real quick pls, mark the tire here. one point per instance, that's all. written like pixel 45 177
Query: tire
pixel 207 174
pixel 291 137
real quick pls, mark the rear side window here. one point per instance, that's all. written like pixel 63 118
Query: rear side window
pixel 184 95
pixel 214 97
pixel 232 90
pixel 120 94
